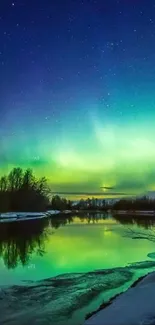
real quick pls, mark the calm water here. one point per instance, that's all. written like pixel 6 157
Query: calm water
pixel 71 248
pixel 46 248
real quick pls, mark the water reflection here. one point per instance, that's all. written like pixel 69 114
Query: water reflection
pixel 94 217
pixel 144 222
pixel 19 241
pixel 62 220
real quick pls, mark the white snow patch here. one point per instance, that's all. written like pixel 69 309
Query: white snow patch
pixel 8 215
pixel 8 220
pixel 21 216
pixel 51 212
pixel 29 214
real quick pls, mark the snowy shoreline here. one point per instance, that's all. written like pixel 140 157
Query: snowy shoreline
pixel 132 307
pixel 135 213
pixel 24 216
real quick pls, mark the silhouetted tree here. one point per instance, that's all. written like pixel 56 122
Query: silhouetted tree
pixel 21 191
pixel 135 204
pixel 59 203
pixel 3 184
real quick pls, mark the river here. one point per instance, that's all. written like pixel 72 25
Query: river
pixel 94 250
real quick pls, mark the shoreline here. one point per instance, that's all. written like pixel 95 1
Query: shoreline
pixel 11 217
pixel 134 213
pixel 108 303
pixel 104 314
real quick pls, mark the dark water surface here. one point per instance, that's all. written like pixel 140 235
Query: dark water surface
pixel 69 250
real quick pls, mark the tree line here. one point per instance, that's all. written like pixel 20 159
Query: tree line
pixel 143 203
pixel 92 204
pixel 21 191
pixel 129 204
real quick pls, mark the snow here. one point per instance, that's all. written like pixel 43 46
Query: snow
pixel 8 215
pixel 35 214
pixel 20 216
pixel 29 215
pixel 30 218
pixel 51 212
pixel 20 219
pixel 134 307
pixel 136 212
pixel 8 220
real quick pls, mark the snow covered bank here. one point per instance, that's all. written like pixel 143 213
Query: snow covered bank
pixel 52 212
pixel 135 213
pixel 134 307
pixel 20 216
pixel 8 215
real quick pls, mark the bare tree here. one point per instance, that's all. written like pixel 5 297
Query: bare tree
pixel 3 184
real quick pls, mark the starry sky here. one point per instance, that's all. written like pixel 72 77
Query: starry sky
pixel 77 100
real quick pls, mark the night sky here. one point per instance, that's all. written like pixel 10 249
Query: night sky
pixel 77 92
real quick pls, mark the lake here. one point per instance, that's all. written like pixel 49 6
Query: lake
pixel 104 252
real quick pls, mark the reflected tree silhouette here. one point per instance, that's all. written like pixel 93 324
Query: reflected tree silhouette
pixel 144 222
pixel 93 217
pixel 60 220
pixel 19 240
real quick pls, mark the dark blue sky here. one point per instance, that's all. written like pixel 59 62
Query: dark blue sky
pixel 55 49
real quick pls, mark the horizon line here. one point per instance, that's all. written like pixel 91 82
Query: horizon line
pixel 92 193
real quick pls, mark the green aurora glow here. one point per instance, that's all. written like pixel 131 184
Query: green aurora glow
pixel 119 156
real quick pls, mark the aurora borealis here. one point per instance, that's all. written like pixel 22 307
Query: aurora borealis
pixel 77 101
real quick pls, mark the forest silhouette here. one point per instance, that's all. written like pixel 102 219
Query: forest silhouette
pixel 22 191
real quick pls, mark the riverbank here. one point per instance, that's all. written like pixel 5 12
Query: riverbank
pixel 24 216
pixel 134 212
pixel 119 212
pixel 66 298
pixel 133 307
